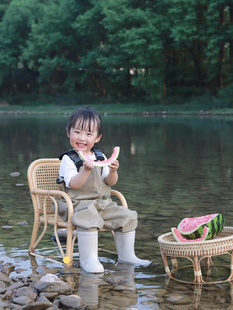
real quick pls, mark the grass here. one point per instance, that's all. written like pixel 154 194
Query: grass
pixel 202 105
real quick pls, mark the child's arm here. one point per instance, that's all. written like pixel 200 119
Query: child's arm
pixel 112 177
pixel 79 179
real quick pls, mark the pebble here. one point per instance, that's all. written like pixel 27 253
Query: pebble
pixel 22 223
pixel 36 291
pixel 14 174
pixel 72 288
pixel 73 301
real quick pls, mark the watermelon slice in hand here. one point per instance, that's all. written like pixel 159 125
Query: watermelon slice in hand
pixel 102 163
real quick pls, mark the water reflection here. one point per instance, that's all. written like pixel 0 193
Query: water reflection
pixel 170 168
pixel 180 296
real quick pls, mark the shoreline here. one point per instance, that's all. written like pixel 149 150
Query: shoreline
pixel 145 113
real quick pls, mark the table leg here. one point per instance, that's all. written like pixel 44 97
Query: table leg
pixel 208 264
pixel 174 262
pixel 231 275
pixel 167 269
pixel 197 270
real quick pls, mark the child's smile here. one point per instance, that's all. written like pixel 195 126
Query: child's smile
pixel 82 139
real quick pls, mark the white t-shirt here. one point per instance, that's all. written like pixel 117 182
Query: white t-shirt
pixel 68 169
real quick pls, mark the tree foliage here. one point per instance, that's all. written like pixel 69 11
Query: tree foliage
pixel 122 48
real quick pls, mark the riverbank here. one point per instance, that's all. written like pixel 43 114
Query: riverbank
pixel 119 109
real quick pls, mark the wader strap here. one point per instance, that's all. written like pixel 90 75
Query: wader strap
pixel 77 160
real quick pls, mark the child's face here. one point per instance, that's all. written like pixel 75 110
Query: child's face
pixel 82 139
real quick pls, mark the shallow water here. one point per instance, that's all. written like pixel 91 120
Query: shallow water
pixel 170 168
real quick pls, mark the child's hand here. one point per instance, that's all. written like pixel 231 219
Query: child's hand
pixel 88 165
pixel 114 166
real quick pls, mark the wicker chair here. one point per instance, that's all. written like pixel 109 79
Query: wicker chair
pixel 42 175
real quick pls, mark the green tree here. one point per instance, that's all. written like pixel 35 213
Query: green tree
pixel 53 47
pixel 3 7
pixel 125 48
pixel 200 32
pixel 92 36
pixel 218 35
pixel 15 27
pixel 133 51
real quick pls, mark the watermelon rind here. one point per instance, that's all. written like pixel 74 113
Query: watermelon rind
pixel 180 238
pixel 103 163
pixel 215 225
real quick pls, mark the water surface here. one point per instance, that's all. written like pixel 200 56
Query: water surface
pixel 170 168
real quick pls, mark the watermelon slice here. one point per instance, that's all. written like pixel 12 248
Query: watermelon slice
pixel 102 163
pixel 177 235
pixel 193 227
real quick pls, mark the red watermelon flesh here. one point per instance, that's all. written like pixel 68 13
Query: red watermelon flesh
pixel 190 224
pixel 179 238
pixel 192 228
pixel 102 163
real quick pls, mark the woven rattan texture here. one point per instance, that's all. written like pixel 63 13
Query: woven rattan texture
pixel 45 176
pixel 219 245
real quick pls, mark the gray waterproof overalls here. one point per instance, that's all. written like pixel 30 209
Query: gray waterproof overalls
pixel 93 207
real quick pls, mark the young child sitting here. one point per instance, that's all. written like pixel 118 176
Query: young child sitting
pixel 89 188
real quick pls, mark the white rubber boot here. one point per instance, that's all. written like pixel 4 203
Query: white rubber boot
pixel 88 251
pixel 125 248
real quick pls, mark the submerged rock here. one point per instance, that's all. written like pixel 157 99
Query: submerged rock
pixel 14 174
pixel 51 283
pixel 72 301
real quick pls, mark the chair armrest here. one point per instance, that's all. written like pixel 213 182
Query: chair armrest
pixel 53 193
pixel 121 197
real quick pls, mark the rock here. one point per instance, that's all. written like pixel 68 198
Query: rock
pixel 35 277
pixel 14 174
pixel 8 293
pixel 22 300
pixel 36 306
pixel 72 301
pixel 160 292
pixel 2 284
pixel 4 278
pixel 44 270
pixel 16 285
pixel 26 291
pixel 8 269
pixel 43 299
pixel 49 296
pixel 69 270
pixel 51 283
pixel 19 270
pixel 14 279
pixel 3 305
pixel 22 223
pixel 3 290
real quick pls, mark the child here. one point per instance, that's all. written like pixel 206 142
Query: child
pixel 89 188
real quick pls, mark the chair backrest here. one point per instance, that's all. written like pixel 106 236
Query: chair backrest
pixel 42 174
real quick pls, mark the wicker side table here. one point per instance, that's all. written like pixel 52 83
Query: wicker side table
pixel 196 252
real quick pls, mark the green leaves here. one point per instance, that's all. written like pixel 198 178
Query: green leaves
pixel 128 47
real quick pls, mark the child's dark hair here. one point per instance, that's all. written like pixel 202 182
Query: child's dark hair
pixel 85 118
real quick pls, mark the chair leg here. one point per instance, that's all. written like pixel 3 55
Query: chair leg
pixel 69 246
pixel 34 234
